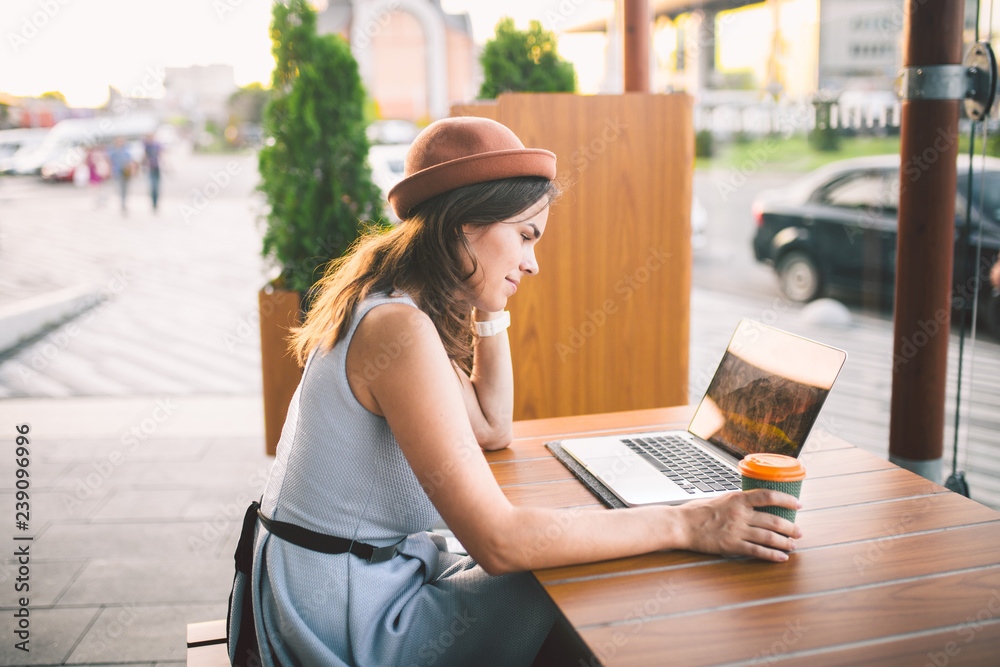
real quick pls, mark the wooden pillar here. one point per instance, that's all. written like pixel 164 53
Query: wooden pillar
pixel 932 35
pixel 637 39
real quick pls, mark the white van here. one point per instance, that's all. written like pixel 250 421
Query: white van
pixel 20 139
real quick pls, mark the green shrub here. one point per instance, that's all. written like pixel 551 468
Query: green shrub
pixel 519 61
pixel 313 166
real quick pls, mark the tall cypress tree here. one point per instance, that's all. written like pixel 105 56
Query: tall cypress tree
pixel 313 167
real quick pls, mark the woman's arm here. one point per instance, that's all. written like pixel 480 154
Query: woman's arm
pixel 489 392
pixel 425 409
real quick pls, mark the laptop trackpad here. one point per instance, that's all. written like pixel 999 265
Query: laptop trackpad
pixel 635 481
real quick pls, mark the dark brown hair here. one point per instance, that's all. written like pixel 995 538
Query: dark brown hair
pixel 421 257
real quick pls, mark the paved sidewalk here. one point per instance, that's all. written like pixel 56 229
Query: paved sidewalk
pixel 177 312
pixel 136 505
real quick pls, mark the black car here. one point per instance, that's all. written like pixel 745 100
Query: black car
pixel 834 229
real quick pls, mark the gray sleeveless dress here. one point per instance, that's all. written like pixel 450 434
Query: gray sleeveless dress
pixel 340 471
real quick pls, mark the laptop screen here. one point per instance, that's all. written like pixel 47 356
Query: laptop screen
pixel 767 391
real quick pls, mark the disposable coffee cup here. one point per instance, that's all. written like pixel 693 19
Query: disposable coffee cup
pixel 773 471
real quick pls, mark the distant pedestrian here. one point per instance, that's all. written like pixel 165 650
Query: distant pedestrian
pixel 153 149
pixel 122 168
pixel 98 171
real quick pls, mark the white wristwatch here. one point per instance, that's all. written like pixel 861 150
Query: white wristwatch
pixel 493 327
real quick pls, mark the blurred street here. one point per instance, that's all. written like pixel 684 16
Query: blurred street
pixel 175 291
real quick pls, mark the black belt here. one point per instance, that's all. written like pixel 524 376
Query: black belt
pixel 326 544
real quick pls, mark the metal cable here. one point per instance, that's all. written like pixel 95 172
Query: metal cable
pixel 965 262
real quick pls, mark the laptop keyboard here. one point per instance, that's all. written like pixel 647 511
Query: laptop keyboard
pixel 685 464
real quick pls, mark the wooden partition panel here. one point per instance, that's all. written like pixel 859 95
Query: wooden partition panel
pixel 605 325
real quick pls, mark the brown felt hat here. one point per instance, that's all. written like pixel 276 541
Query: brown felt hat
pixel 461 151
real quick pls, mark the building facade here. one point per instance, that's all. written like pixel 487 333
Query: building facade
pixel 415 60
pixel 200 92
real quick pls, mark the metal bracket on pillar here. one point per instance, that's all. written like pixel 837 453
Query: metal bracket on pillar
pixel 974 81
pixel 982 71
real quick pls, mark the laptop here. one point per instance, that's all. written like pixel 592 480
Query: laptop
pixel 765 397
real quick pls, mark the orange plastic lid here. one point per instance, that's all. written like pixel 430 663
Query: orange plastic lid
pixel 772 467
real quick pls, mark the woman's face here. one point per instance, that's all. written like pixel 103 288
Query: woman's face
pixel 505 252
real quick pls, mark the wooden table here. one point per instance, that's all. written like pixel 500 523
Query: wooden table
pixel 892 568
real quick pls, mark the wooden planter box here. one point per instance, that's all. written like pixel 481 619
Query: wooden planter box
pixel 279 312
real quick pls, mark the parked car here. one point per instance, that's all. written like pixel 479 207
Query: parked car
pixel 387 162
pixel 835 228
pixel 63 165
pixel 392 131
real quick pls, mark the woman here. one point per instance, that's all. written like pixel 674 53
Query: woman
pixel 384 434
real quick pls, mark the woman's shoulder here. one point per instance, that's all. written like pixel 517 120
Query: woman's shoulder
pixel 395 314
pixel 396 339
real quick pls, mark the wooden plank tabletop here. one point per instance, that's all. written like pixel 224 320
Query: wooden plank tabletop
pixel 891 569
